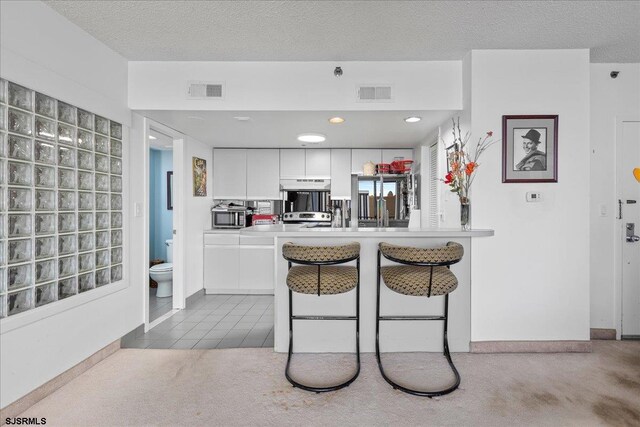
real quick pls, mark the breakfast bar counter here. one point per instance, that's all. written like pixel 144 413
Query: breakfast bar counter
pixel 338 336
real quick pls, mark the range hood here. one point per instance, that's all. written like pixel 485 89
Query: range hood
pixel 305 184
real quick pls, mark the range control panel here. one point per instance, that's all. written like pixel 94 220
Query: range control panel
pixel 307 217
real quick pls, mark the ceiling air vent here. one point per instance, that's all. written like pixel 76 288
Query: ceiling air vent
pixel 374 93
pixel 205 90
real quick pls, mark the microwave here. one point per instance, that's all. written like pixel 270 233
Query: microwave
pixel 231 217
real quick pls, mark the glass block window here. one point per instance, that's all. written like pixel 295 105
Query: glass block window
pixel 60 200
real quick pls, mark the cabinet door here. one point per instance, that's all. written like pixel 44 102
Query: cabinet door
pixel 318 163
pixel 258 275
pixel 388 155
pixel 230 174
pixel 361 156
pixel 263 174
pixel 340 173
pixel 221 266
pixel 292 163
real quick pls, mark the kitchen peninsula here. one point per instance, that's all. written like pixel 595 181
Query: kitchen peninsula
pixel 334 336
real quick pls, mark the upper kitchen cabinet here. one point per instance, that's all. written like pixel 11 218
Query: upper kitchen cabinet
pixel 263 174
pixel 340 173
pixel 389 155
pixel 361 156
pixel 230 174
pixel 292 163
pixel 318 163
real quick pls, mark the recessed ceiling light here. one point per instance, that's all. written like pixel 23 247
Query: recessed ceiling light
pixel 242 118
pixel 311 138
pixel 336 120
pixel 413 119
pixel 152 137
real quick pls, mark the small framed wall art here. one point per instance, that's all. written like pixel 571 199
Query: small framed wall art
pixel 199 177
pixel 530 148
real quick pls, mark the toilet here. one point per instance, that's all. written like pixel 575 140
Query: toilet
pixel 163 273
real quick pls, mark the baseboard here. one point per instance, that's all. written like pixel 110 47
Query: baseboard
pixel 603 334
pixel 530 347
pixel 194 297
pixel 25 402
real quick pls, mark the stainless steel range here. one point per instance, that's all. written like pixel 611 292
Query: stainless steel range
pixel 319 219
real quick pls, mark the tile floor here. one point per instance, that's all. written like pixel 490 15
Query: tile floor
pixel 214 321
pixel 158 306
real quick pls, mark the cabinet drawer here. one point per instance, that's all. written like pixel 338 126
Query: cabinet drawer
pixel 256 240
pixel 221 239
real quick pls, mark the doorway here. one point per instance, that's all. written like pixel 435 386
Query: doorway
pixel 163 154
pixel 628 227
pixel 160 224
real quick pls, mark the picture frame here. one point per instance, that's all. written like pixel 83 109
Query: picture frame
pixel 170 190
pixel 529 148
pixel 199 177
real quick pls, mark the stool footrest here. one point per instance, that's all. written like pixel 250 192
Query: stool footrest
pixel 324 317
pixel 411 318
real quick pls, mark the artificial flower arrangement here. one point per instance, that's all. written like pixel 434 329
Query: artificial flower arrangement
pixel 462 164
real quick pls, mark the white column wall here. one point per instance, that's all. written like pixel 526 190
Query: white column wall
pixel 43 51
pixel 197 215
pixel 531 280
pixel 610 99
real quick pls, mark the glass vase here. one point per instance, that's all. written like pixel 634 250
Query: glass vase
pixel 465 212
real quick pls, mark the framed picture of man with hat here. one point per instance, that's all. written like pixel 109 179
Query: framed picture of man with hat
pixel 530 148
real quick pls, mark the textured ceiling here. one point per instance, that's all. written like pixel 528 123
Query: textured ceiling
pixel 354 30
pixel 280 129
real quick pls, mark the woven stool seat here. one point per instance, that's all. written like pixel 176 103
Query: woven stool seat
pixel 333 279
pixel 320 254
pixel 414 280
pixel 451 252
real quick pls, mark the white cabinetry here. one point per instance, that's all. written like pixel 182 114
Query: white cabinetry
pixel 318 163
pixel 235 264
pixel 340 173
pixel 361 156
pixel 292 163
pixel 263 174
pixel 388 155
pixel 230 174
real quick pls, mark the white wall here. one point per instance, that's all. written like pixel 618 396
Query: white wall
pixel 43 51
pixel 610 99
pixel 286 86
pixel 197 215
pixel 531 280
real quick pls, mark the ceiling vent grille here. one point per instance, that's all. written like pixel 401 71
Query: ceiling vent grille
pixel 205 90
pixel 374 93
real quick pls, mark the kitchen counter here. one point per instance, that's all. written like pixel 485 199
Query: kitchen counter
pixel 291 230
pixel 336 336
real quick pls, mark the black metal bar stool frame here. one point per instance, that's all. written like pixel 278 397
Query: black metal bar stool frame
pixel 293 317
pixel 444 318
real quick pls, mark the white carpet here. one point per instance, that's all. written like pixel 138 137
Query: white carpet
pixel 246 387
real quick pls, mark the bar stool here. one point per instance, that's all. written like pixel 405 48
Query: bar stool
pixel 319 274
pixel 424 272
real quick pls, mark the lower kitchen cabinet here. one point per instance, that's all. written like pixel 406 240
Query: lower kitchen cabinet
pixel 234 265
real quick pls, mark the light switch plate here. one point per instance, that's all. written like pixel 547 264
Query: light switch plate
pixel 137 209
pixel 534 196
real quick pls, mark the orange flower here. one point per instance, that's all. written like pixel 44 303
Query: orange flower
pixel 455 166
pixel 471 166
